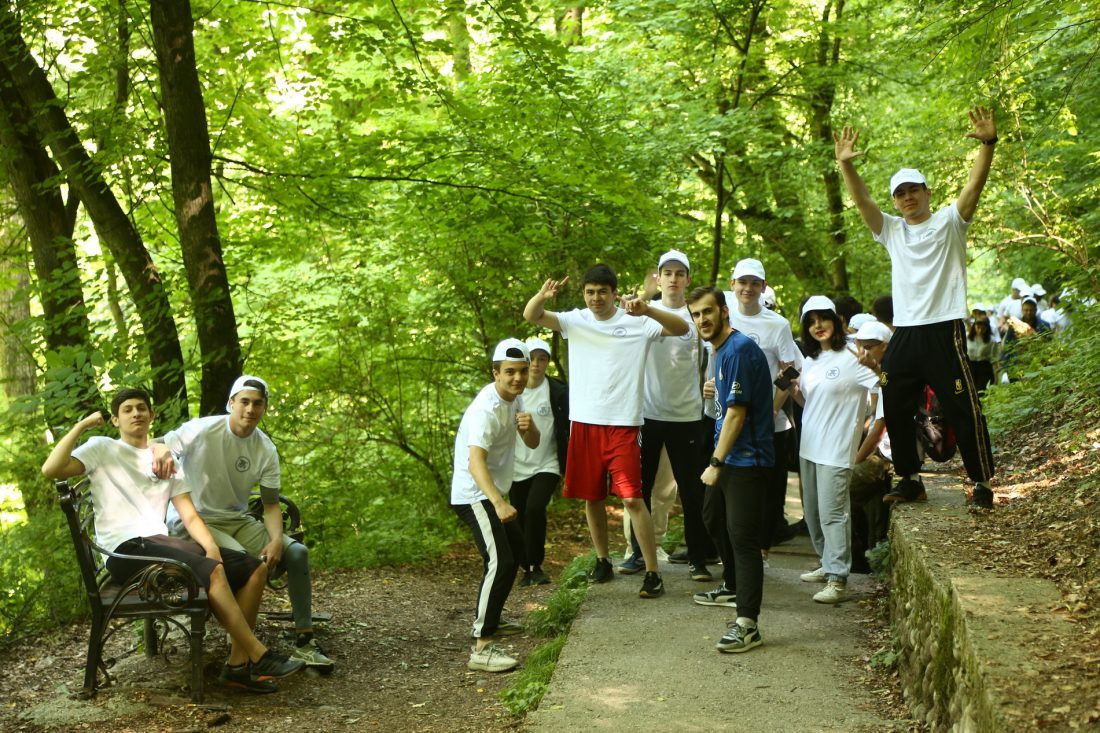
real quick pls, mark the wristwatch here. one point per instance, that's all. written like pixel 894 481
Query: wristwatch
pixel 715 462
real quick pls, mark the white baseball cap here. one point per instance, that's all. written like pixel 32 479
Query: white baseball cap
pixel 243 382
pixel 1019 284
pixel 767 298
pixel 1038 289
pixel 674 255
pixel 534 343
pixel 859 319
pixel 748 266
pixel 874 331
pixel 511 350
pixel 817 303
pixel 906 175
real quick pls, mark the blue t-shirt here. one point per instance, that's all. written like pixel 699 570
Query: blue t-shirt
pixel 742 377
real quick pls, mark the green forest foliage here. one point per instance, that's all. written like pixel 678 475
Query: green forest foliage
pixel 393 181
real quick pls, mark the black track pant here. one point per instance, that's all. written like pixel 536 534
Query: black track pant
pixel 530 497
pixel 681 440
pixel 733 509
pixel 500 546
pixel 776 498
pixel 933 355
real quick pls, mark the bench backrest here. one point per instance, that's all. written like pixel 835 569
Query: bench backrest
pixel 76 503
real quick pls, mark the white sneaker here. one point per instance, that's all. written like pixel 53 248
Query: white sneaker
pixel 662 556
pixel 491 658
pixel 834 592
pixel 814 576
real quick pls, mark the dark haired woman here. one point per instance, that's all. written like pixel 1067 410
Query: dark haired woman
pixel 833 390
pixel 980 350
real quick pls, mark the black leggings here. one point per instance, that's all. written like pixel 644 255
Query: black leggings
pixel 530 497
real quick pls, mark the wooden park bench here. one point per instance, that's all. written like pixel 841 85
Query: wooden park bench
pixel 166 594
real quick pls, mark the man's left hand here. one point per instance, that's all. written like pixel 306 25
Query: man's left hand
pixel 984 127
pixel 272 553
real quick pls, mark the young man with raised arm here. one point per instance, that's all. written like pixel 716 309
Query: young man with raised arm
pixel 607 356
pixel 672 410
pixel 928 273
pixel 224 457
pixel 130 504
pixel 772 333
pixel 484 465
pixel 737 477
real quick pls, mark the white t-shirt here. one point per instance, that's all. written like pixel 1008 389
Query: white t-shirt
pixel 490 423
pixel 129 501
pixel 928 267
pixel 1056 318
pixel 835 386
pixel 544 459
pixel 672 390
pixel 221 468
pixel 607 365
pixel 772 333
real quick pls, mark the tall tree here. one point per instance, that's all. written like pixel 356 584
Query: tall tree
pixel 115 229
pixel 189 153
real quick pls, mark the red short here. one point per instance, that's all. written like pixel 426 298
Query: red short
pixel 598 450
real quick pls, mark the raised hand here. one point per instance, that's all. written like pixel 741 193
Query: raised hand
pixel 633 305
pixel 551 288
pixel 845 144
pixel 985 128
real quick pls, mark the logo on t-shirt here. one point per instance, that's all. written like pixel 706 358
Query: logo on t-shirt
pixel 832 373
pixel 754 336
pixel 243 464
pixel 735 388
pixel 544 410
pixel 618 331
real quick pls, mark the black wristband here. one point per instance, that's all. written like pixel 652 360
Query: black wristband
pixel 990 142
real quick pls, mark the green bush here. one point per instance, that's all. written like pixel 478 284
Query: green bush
pixel 39 582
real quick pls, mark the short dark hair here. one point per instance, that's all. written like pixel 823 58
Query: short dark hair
pixel 704 291
pixel 130 393
pixel 883 308
pixel 846 307
pixel 600 274
pixel 810 347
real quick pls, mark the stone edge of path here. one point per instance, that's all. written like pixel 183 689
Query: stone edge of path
pixel 959 630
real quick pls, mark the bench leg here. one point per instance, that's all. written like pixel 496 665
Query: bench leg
pixel 198 631
pixel 151 641
pixel 95 653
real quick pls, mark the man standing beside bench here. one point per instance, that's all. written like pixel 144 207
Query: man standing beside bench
pixel 130 504
pixel 224 457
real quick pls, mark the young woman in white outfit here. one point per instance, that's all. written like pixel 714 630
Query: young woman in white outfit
pixel 833 390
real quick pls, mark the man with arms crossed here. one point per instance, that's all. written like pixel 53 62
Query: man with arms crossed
pixel 130 503
pixel 739 469
pixel 223 458
pixel 928 273
pixel 607 355
pixel 484 463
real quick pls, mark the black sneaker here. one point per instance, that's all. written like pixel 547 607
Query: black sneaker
pixel 679 558
pixel 602 572
pixel 699 573
pixel 539 578
pixel 739 639
pixel 273 666
pixel 907 489
pixel 241 678
pixel 981 500
pixel 652 586
pixel 720 596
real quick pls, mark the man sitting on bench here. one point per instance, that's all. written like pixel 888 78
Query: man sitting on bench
pixel 130 504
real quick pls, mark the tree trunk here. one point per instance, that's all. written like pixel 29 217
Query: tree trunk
pixel 828 55
pixel 189 152
pixel 114 228
pixel 569 24
pixel 459 35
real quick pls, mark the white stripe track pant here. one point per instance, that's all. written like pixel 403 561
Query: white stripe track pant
pixel 501 547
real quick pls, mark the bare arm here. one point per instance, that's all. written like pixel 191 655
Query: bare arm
pixel 874 436
pixel 985 129
pixel 535 310
pixel 672 324
pixel 731 429
pixel 196 528
pixel 60 464
pixel 845 153
pixel 479 469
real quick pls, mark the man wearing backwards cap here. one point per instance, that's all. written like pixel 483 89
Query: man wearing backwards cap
pixel 484 464
pixel 928 273
pixel 223 458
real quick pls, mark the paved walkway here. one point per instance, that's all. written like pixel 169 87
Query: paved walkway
pixel 635 665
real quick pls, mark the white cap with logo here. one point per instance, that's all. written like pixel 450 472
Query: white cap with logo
pixel 535 343
pixel 874 331
pixel 817 303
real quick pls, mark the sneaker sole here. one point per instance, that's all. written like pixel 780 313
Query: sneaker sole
pixel 739 649
pixel 724 604
pixel 629 571
pixel 264 687
pixel 651 594
pixel 831 601
pixel 700 578
pixel 487 668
